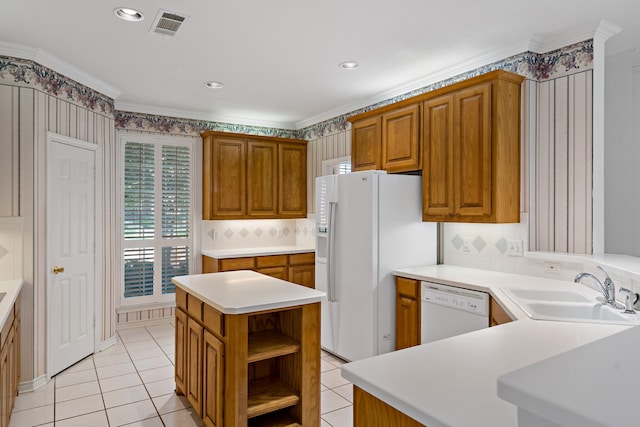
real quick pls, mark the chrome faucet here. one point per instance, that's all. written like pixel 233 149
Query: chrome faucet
pixel 608 289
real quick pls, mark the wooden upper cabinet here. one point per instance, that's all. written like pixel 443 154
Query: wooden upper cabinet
pixel 472 151
pixel 292 180
pixel 401 140
pixel 366 141
pixel 262 179
pixel 471 143
pixel 224 178
pixel 437 173
pixel 248 177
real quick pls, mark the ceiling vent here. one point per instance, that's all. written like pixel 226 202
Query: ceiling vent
pixel 168 23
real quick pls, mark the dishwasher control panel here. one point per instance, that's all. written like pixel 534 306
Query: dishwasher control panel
pixel 459 298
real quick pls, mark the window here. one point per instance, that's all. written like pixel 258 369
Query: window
pixel 157 224
pixel 337 166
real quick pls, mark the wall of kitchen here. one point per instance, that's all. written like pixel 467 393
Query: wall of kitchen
pixel 622 153
pixel 35 100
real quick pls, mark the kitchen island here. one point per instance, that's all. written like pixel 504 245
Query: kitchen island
pixel 252 339
pixel 453 382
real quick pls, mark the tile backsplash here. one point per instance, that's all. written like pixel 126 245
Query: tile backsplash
pixel 239 234
pixel 11 237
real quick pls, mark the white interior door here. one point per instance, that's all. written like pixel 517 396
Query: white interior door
pixel 70 253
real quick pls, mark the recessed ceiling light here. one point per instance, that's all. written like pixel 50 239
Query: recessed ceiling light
pixel 128 14
pixel 214 85
pixel 349 65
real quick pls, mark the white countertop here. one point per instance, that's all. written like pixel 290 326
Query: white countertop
pixel 12 288
pixel 244 291
pixel 247 252
pixel 592 386
pixel 453 382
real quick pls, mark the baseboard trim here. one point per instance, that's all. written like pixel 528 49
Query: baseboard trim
pixel 143 323
pixel 33 385
pixel 109 342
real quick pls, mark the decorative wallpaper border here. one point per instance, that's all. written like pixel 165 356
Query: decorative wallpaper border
pixel 534 66
pixel 31 74
pixel 174 125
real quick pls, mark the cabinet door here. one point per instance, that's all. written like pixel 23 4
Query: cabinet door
pixel 437 174
pixel 194 365
pixel 304 275
pixel 5 384
pixel 497 315
pixel 292 180
pixel 181 350
pixel 401 140
pixel 228 186
pixel 407 312
pixel 262 179
pixel 472 151
pixel 366 141
pixel 212 392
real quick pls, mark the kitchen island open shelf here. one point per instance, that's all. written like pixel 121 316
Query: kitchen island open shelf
pixel 253 339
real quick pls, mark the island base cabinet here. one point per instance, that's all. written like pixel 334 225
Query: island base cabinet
pixel 254 369
pixel 369 411
pixel 212 391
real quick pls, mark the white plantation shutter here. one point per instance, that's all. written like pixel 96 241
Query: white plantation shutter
pixel 157 219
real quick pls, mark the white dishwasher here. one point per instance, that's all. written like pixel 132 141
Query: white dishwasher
pixel 448 311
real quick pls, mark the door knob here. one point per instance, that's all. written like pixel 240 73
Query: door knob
pixel 57 270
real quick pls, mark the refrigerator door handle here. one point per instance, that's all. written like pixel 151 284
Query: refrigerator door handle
pixel 330 269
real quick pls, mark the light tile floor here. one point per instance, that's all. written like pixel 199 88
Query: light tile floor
pixel 131 383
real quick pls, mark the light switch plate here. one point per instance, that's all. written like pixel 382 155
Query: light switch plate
pixel 514 248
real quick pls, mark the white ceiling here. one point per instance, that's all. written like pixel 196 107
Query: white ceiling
pixel 279 59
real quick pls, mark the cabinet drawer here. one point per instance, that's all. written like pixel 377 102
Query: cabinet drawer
pixel 181 299
pixel 408 287
pixel 213 320
pixel 277 272
pixel 271 261
pixel 305 258
pixel 231 264
pixel 194 307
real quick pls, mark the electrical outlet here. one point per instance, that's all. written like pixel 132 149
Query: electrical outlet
pixel 466 245
pixel 280 232
pixel 216 235
pixel 514 248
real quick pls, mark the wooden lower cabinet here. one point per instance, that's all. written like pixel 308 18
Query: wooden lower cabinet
pixel 407 313
pixel 253 369
pixel 9 364
pixel 497 315
pixel 297 268
pixel 195 336
pixel 180 359
pixel 369 411
pixel 212 390
pixel 303 275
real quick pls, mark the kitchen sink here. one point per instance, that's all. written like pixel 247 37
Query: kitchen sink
pixel 568 305
pixel 539 310
pixel 547 295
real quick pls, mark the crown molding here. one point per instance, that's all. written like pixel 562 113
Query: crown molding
pixel 606 30
pixel 56 64
pixel 486 58
pixel 533 43
pixel 194 115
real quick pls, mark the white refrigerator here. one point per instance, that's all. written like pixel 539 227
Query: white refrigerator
pixel 368 224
